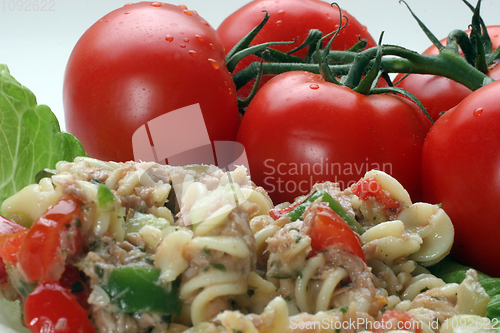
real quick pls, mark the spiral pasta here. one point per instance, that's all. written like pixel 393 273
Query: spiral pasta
pixel 234 262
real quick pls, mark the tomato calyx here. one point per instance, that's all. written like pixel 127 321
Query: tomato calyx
pixel 359 68
pixel 476 49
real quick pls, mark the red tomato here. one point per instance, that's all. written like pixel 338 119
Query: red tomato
pixel 50 240
pixel 461 170
pixel 139 62
pixel 8 227
pixel 289 20
pixel 276 213
pixel 329 229
pixel 439 94
pixel 370 188
pixel 396 320
pixel 50 308
pixel 300 129
pixel 9 243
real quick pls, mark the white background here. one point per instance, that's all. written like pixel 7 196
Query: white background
pixel 36 45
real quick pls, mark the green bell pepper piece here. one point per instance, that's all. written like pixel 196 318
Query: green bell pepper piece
pixel 139 289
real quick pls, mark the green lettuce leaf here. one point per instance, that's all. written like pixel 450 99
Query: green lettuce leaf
pixel 453 272
pixel 11 317
pixel 30 137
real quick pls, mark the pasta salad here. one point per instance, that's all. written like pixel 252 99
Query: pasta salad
pixel 143 247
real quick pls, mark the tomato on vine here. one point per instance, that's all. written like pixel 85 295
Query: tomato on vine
pixel 478 45
pixel 300 129
pixel 438 94
pixel 290 20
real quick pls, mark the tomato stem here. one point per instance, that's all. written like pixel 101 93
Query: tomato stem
pixel 446 63
pixel 245 41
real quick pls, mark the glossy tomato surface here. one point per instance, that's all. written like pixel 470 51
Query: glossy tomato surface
pixel 300 129
pixel 140 62
pixel 52 308
pixel 289 20
pixel 461 170
pixel 330 230
pixel 52 238
pixel 439 94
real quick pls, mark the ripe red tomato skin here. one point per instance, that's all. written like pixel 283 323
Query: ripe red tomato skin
pixel 460 163
pixel 49 303
pixel 329 229
pixel 298 118
pixel 51 238
pixel 7 230
pixel 439 94
pixel 123 72
pixel 289 20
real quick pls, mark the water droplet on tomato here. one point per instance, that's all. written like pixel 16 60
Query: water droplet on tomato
pixel 477 112
pixel 169 38
pixel 187 12
pixel 127 4
pixel 281 12
pixel 214 63
pixel 182 46
pixel 279 23
pixel 186 40
pixel 314 86
pixel 156 4
pixel 212 46
pixel 126 13
pixel 199 38
pixel 183 6
pixel 193 53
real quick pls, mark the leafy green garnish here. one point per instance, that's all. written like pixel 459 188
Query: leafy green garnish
pixel 11 315
pixel 30 137
pixel 453 272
